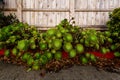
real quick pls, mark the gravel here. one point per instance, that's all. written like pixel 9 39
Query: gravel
pixel 14 72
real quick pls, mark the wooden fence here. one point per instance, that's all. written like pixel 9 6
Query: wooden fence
pixel 47 13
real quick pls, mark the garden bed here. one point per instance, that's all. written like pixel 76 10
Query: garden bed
pixel 60 47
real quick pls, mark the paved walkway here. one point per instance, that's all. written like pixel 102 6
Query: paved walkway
pixel 13 72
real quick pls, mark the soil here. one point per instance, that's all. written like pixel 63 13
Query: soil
pixel 14 72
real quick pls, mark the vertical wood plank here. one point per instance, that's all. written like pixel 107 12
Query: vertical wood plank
pixel 40 3
pixel 54 19
pixel 53 14
pixel 32 13
pixel 19 10
pixel 76 4
pixel 106 17
pixel 103 18
pixel 67 4
pixel 58 14
pixel 111 4
pixel 45 19
pixel 80 19
pixel 98 4
pixel 15 4
pixel 118 3
pixel 58 5
pixel 54 4
pixel 89 18
pixel 85 4
pixel 93 18
pixel 58 17
pixel 24 4
pixel 72 8
pixel 77 18
pixel 67 15
pixel 28 17
pixel 45 4
pixel 97 18
pixel 81 4
pixel 40 14
pixel 94 4
pixel 49 19
pixel 10 4
pixel 36 13
pixel 24 13
pixel 62 16
pixel 85 18
pixel 36 19
pixel 49 4
pixel 62 4
pixel 100 18
pixel 107 4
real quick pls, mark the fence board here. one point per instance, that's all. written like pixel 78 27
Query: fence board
pixel 19 9
pixel 32 13
pixel 58 17
pixel 48 13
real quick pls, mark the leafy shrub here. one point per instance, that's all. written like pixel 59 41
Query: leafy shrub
pixel 26 44
pixel 114 24
pixel 1 5
pixel 7 20
pixel 12 34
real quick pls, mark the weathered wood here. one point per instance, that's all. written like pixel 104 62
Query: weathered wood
pixel 36 13
pixel 24 14
pixel 83 26
pixel 32 13
pixel 96 27
pixel 46 10
pixel 72 8
pixel 10 9
pixel 90 10
pixel 19 10
pixel 55 10
pixel 51 12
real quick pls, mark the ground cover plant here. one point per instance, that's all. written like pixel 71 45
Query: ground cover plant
pixel 60 47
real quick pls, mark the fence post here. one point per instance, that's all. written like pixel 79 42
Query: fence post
pixel 19 10
pixel 72 8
